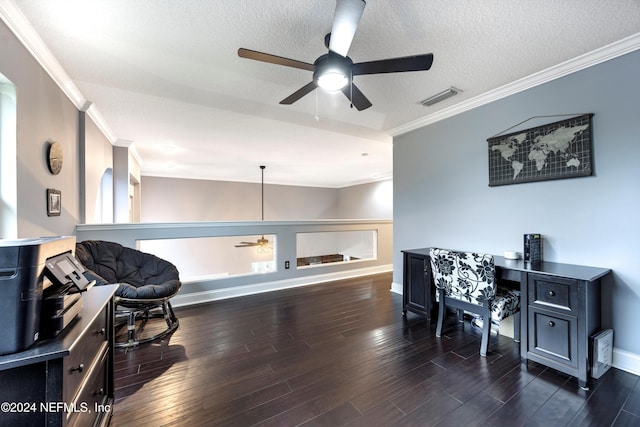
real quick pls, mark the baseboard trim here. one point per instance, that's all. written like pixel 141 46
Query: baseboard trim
pixel 182 300
pixel 626 361
pixel 396 288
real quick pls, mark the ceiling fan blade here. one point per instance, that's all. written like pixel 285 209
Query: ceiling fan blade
pixel 345 23
pixel 245 244
pixel 273 59
pixel 308 88
pixel 356 97
pixel 394 65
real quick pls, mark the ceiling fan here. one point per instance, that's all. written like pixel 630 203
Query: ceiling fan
pixel 335 70
pixel 262 243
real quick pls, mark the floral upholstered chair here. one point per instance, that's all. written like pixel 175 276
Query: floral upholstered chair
pixel 467 281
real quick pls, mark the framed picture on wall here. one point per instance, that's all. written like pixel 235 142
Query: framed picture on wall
pixel 552 151
pixel 54 202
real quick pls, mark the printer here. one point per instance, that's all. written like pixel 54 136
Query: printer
pixel 41 285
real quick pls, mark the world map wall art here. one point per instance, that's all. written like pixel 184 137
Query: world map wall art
pixel 553 151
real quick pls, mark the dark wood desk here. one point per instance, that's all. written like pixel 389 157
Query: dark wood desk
pixel 560 307
pixel 67 380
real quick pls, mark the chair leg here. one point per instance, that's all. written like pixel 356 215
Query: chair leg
pixel 442 309
pixel 172 315
pixel 486 331
pixel 516 327
pixel 165 314
pixel 169 316
pixel 144 312
pixel 131 327
pixel 460 315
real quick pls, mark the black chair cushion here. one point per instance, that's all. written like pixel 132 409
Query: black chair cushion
pixel 140 275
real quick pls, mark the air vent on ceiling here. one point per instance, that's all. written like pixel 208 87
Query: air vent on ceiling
pixel 445 94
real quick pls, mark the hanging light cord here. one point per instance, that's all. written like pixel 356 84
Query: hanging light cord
pixel 262 186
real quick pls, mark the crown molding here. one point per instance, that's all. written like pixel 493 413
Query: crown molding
pixel 23 30
pixel 123 143
pixel 100 122
pixel 581 62
pixel 26 34
pixel 131 149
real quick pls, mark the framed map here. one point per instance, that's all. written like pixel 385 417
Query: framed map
pixel 553 151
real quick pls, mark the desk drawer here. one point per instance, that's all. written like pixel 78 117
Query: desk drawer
pixel 553 292
pixel 93 396
pixel 553 336
pixel 76 366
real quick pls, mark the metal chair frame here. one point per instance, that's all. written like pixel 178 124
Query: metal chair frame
pixel 145 309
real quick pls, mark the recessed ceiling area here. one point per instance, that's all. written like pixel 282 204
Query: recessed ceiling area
pixel 166 76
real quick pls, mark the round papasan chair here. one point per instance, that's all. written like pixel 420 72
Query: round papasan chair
pixel 145 285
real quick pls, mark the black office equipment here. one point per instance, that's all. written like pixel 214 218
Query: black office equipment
pixel 23 286
pixel 66 273
pixel 62 301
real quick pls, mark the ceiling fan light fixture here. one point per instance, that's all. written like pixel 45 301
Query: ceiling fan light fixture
pixel 332 72
pixel 263 246
pixel 332 80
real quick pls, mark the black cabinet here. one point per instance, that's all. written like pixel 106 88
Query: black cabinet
pixel 68 380
pixel 417 292
pixel 563 313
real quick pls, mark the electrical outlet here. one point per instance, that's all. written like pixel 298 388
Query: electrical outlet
pixel 287 264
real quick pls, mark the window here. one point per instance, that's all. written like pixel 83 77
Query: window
pixel 320 248
pixel 212 257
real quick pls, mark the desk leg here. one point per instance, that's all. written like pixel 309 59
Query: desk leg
pixel 524 317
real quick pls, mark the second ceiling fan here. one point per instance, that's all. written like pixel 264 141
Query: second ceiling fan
pixel 262 243
pixel 335 70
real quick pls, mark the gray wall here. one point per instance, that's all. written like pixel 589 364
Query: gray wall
pixel 43 113
pixel 441 196
pixel 176 200
pixel 366 201
pixel 98 179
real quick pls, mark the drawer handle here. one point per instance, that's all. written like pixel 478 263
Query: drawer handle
pixel 80 368
pixel 99 392
pixel 102 331
pixel 552 323
pixel 552 294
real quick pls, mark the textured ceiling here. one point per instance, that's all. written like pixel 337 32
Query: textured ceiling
pixel 165 74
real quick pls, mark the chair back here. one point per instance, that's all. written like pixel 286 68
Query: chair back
pixel 466 276
pixel 141 275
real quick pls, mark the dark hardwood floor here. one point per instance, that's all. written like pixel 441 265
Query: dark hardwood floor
pixel 341 354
